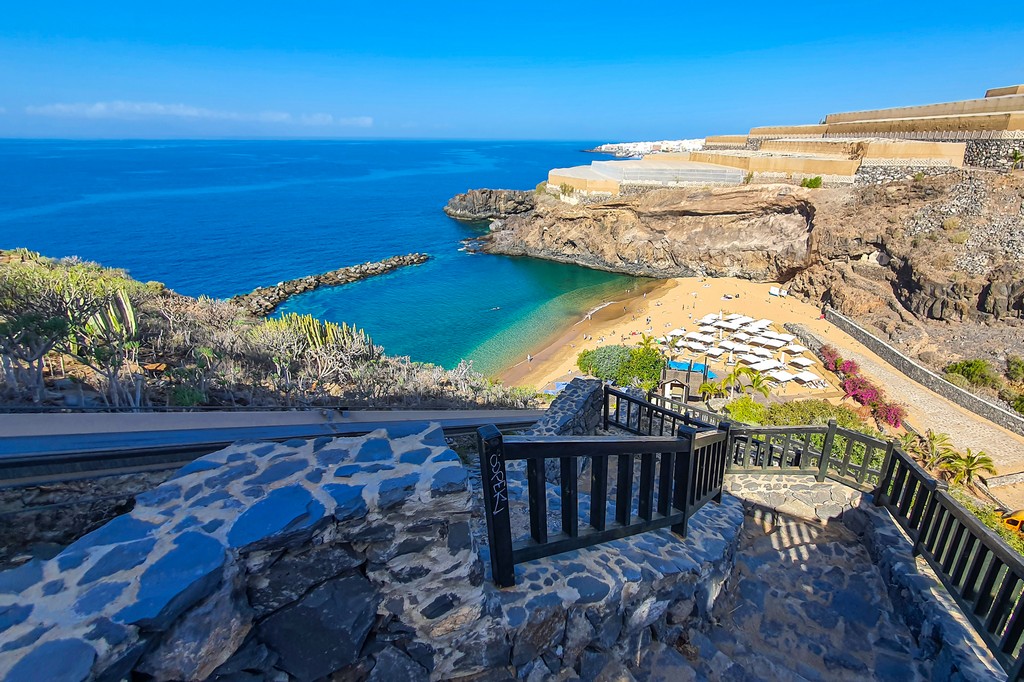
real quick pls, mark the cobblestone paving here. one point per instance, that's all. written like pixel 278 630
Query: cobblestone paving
pixel 804 603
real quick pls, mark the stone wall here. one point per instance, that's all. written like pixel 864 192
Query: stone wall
pixel 576 411
pixel 992 153
pixel 926 377
pixel 880 175
pixel 354 558
pixel 940 628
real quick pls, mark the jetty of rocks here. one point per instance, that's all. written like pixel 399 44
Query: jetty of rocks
pixel 265 300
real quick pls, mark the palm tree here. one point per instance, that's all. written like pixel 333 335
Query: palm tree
pixel 937 448
pixel 759 384
pixel 647 341
pixel 910 443
pixel 708 390
pixel 963 467
pixel 732 379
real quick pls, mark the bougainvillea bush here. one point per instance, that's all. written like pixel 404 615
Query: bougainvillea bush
pixel 861 389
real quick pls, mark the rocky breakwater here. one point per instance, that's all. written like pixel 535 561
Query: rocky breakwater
pixel 264 300
pixel 761 232
pixel 489 204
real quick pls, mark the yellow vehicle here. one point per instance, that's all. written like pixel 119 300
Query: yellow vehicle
pixel 1014 520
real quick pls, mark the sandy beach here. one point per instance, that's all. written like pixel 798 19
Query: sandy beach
pixel 672 304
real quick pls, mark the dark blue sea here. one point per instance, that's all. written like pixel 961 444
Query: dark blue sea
pixel 222 217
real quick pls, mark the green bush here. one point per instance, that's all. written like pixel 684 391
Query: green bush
pixel 603 362
pixel 748 178
pixel 813 183
pixel 990 517
pixel 642 367
pixel 918 176
pixel 950 224
pixel 957 380
pixel 746 410
pixel 623 365
pixel 811 412
pixel 1015 368
pixel 977 371
pixel 959 237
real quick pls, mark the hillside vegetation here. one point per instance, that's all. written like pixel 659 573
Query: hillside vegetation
pixel 76 334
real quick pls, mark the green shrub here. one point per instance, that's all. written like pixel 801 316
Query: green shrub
pixel 813 183
pixel 957 380
pixel 977 371
pixel 642 367
pixel 623 365
pixel 950 224
pixel 811 412
pixel 603 362
pixel 541 187
pixel 959 237
pixel 988 515
pixel 918 176
pixel 1015 368
pixel 566 189
pixel 748 178
pixel 747 411
pixel 186 396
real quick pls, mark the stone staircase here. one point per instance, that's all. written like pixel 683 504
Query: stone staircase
pixel 804 602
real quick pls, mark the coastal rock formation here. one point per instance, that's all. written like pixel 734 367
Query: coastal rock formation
pixel 264 300
pixel 489 204
pixel 756 232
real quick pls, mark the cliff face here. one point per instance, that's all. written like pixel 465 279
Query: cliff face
pixel 757 232
pixel 488 204
pixel 908 257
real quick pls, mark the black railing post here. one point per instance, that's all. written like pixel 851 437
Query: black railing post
pixel 607 399
pixel 495 488
pixel 826 451
pixel 682 482
pixel 881 493
pixel 929 515
pixel 725 427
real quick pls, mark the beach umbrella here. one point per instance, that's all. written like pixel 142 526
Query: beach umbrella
pixel 732 361
pixel 782 357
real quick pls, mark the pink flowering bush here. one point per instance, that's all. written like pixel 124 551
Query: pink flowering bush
pixel 849 367
pixel 830 358
pixel 859 388
pixel 890 413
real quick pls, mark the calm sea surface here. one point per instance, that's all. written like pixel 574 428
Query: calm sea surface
pixel 221 218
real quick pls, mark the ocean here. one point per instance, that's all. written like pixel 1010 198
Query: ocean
pixel 220 218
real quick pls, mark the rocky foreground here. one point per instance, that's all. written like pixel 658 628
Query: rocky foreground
pixel 914 258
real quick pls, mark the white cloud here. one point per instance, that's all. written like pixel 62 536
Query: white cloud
pixel 126 110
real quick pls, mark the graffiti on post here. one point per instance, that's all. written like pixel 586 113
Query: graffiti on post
pixel 499 490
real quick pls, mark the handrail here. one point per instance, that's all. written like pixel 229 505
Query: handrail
pixel 687 410
pixel 983 574
pixel 979 570
pixel 677 476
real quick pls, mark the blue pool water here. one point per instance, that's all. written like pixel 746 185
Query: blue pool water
pixel 697 367
pixel 223 217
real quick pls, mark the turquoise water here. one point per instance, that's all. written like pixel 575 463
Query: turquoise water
pixel 221 218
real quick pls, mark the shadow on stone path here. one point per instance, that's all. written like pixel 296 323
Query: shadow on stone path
pixel 804 602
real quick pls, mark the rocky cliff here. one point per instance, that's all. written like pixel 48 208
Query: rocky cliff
pixel 488 204
pixel 908 257
pixel 758 232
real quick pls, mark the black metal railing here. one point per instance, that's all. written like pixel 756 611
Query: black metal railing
pixel 984 575
pixel 645 418
pixel 833 452
pixel 677 476
pixel 692 413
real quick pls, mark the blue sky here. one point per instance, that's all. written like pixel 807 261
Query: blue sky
pixel 582 71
